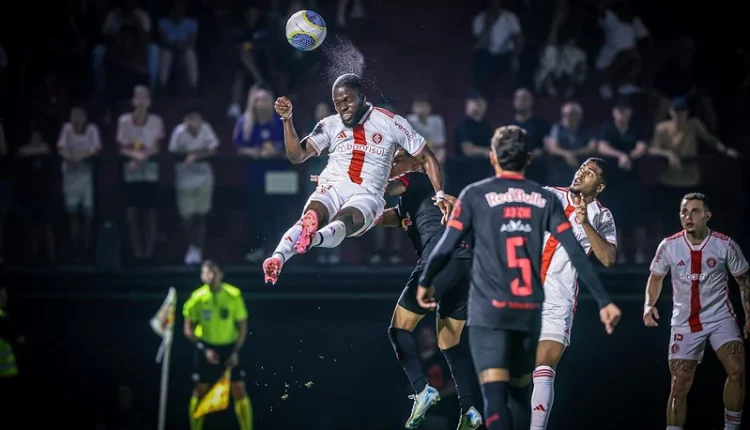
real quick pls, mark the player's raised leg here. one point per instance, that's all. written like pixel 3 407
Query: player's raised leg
pixel 457 355
pixel 358 214
pixel 732 356
pixel 683 373
pixel 299 236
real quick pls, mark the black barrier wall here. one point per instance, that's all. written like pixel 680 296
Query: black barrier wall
pixel 79 351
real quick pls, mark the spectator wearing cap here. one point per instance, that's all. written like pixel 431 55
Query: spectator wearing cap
pixel 194 141
pixel 567 143
pixel 473 131
pixel 624 140
pixel 676 139
pixel 431 126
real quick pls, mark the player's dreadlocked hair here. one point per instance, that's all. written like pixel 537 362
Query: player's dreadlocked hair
pixel 509 145
pixel 603 167
pixel 698 196
pixel 352 81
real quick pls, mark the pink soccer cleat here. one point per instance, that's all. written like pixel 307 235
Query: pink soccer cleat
pixel 272 269
pixel 309 228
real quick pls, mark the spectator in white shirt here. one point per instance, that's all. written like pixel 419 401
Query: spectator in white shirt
pixel 139 134
pixel 619 61
pixel 178 36
pixel 78 142
pixel 430 126
pixel 194 179
pixel 498 43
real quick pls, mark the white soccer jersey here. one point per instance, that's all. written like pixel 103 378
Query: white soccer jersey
pixel 363 154
pixel 699 277
pixel 559 276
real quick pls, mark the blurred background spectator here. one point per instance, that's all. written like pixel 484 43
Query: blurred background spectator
pixel 542 65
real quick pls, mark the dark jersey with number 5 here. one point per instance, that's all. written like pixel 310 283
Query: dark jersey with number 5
pixel 507 217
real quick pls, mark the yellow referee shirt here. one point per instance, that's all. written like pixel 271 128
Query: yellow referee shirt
pixel 216 315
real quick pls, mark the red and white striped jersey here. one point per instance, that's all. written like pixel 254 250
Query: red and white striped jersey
pixel 363 154
pixel 557 272
pixel 699 277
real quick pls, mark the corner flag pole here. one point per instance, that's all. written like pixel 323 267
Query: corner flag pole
pixel 163 325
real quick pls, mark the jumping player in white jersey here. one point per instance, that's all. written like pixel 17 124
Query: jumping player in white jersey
pixel 699 259
pixel 361 140
pixel 594 227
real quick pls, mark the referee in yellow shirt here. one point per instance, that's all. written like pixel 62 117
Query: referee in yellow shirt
pixel 216 322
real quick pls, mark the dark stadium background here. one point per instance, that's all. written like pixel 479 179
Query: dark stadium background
pixel 86 326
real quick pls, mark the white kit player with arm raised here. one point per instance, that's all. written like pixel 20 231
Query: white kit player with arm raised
pixel 594 227
pixel 361 140
pixel 699 259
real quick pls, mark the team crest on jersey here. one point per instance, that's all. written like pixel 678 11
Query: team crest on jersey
pixel 711 262
pixel 377 138
pixel 675 348
pixel 406 222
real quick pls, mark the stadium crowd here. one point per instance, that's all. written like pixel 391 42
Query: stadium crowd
pixel 125 127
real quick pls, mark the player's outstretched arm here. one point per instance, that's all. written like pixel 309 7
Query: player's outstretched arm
pixel 653 290
pixel 435 173
pixel 295 151
pixel 459 225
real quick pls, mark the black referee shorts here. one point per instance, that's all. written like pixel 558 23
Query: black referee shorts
pixel 207 373
pixel 454 278
pixel 494 348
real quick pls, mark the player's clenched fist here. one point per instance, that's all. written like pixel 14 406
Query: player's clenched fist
pixel 651 316
pixel 283 107
pixel 610 316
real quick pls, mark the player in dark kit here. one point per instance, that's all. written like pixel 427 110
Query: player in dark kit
pixel 417 214
pixel 507 217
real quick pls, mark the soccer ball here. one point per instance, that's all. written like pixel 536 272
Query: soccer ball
pixel 305 30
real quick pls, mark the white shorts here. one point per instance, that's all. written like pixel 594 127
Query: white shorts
pixel 79 193
pixel 557 322
pixel 684 345
pixel 344 194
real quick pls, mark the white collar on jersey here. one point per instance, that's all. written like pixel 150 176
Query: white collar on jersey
pixel 370 108
pixel 700 245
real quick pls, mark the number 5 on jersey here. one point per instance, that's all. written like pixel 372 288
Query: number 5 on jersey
pixel 519 287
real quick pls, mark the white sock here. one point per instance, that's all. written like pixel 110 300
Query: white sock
pixel 542 396
pixel 331 235
pixel 674 428
pixel 285 249
pixel 732 420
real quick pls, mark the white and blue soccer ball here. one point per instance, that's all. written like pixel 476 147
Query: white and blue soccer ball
pixel 306 30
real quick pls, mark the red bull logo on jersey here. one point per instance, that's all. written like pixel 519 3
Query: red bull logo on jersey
pixel 515 195
pixel 406 222
pixel 367 149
